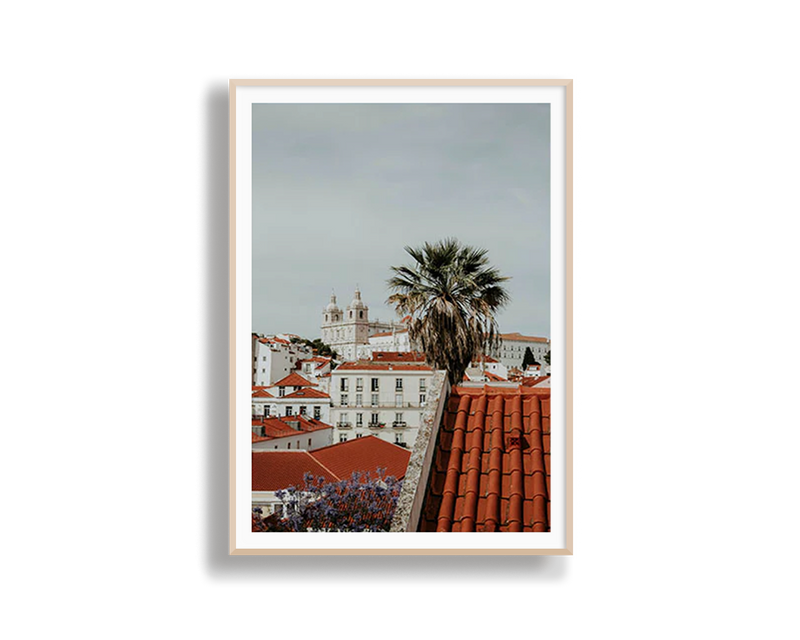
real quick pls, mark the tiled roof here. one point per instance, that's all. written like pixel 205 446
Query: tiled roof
pixel 494 377
pixel 385 334
pixel 397 356
pixel 278 427
pixel 518 337
pixel 273 470
pixel 368 365
pixel 533 380
pixel 364 454
pixel 491 467
pixel 307 393
pixel 293 380
pixel 261 392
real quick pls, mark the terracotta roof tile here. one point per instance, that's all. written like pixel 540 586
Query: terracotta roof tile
pixel 294 380
pixel 261 392
pixel 364 454
pixel 518 337
pixel 368 365
pixel 384 334
pixel 273 470
pixel 397 356
pixel 491 468
pixel 307 393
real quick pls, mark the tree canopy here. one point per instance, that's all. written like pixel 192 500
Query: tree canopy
pixel 528 358
pixel 452 294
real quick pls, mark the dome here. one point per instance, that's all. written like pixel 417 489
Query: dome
pixel 332 305
pixel 357 303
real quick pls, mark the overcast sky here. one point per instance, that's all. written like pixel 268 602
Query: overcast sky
pixel 340 189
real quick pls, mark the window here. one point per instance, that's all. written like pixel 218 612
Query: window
pixel 398 399
pixel 359 399
pixel 423 384
pixel 359 419
pixel 302 411
pixel 344 400
pixel 342 437
pixel 398 384
pixel 360 314
pixel 316 413
pixel 281 392
pixel 344 384
pixel 359 384
pixel 374 399
pixel 374 419
pixel 398 417
pixel 309 443
pixel 375 384
pixel 358 435
pixel 288 411
pixel 422 398
pixel 398 439
pixel 289 446
pixel 266 410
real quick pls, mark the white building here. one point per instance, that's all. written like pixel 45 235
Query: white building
pixel 296 433
pixel 275 358
pixel 512 349
pixel 379 398
pixel 292 396
pixel 347 331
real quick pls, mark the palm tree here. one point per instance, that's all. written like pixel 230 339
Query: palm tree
pixel 451 294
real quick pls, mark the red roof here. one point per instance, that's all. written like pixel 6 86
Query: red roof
pixel 494 377
pixel 520 338
pixel 368 365
pixel 261 392
pixel 397 356
pixel 491 466
pixel 384 334
pixel 368 454
pixel 534 380
pixel 307 393
pixel 273 470
pixel 275 427
pixel 294 380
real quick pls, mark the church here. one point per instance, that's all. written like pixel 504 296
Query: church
pixel 348 332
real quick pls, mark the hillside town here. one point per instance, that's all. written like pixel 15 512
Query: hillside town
pixel 471 457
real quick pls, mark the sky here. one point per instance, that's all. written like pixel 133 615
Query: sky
pixel 340 189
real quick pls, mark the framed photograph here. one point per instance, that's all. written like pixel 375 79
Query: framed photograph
pixel 400 317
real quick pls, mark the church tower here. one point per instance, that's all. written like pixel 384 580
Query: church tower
pixel 331 318
pixel 357 321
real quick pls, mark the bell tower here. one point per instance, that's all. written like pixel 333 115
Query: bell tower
pixel 331 316
pixel 358 320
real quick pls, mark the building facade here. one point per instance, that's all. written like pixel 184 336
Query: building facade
pixel 348 331
pixel 275 358
pixel 379 398
pixel 512 349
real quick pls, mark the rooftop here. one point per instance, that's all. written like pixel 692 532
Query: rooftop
pixel 293 380
pixel 491 466
pixel 397 356
pixel 369 365
pixel 518 337
pixel 307 392
pixel 273 470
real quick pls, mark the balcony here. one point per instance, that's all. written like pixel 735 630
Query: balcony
pixel 376 425
pixel 397 423
pixel 344 425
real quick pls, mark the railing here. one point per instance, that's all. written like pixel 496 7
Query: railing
pixel 397 423
pixel 344 425
pixel 376 425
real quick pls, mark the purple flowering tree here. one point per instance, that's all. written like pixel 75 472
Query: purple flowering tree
pixel 363 502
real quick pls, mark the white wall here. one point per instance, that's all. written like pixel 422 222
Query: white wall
pixel 297 441
pixel 386 408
